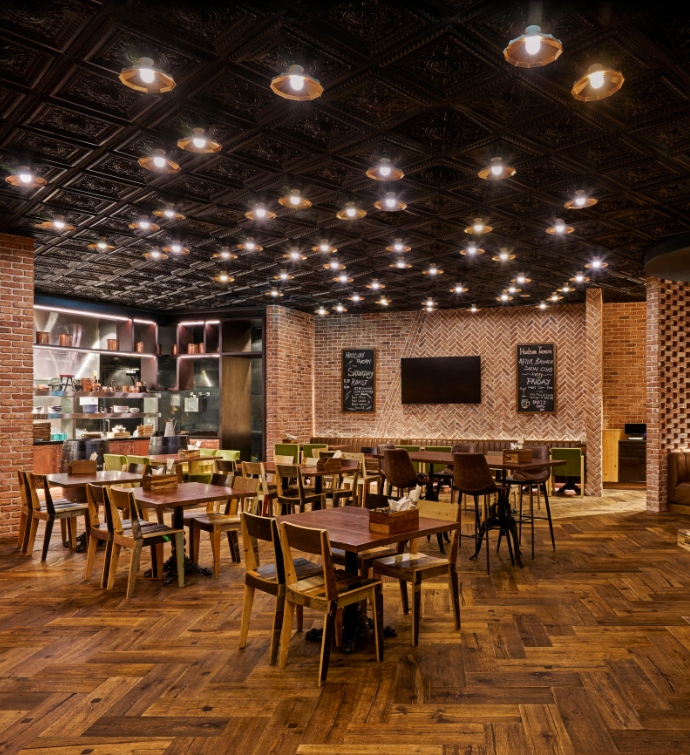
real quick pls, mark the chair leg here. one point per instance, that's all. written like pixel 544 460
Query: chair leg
pixel 72 532
pixel 416 607
pixel 63 530
pixel 90 557
pixel 234 544
pixel 215 549
pixel 439 538
pixel 134 567
pixel 455 594
pixel 378 621
pixel 403 596
pixel 278 617
pixel 327 641
pixel 157 560
pixel 179 554
pixel 33 529
pixel 548 516
pixel 531 516
pixel 286 633
pixel 106 563
pixel 247 615
pixel 194 539
pixel 22 529
pixel 486 535
pixel 112 569
pixel 46 538
pixel 300 617
pixel 338 635
pixel 520 519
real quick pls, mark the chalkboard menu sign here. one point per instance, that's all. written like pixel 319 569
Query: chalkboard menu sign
pixel 359 380
pixel 536 378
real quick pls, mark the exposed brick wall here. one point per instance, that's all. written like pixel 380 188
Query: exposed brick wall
pixel 289 375
pixel 593 398
pixel 16 371
pixel 493 334
pixel 668 381
pixel 625 393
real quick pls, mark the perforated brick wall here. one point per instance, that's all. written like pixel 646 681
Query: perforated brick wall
pixel 16 371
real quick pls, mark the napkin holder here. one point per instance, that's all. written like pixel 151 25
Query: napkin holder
pixel 159 482
pixel 517 456
pixel 325 464
pixel 82 466
pixel 391 522
pixel 186 453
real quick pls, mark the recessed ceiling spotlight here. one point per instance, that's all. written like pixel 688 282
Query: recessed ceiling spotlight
pixel 58 223
pixel 351 212
pixel 223 278
pixel 433 270
pixel 504 255
pixel 390 203
pixel 249 245
pixel 144 224
pixel 398 246
pixel 283 275
pixel 579 201
pixel 294 200
pixel 533 48
pixel 497 170
pixel 597 84
pixel 145 78
pixel 458 289
pixel 176 247
pixel 199 142
pixel 294 84
pixel 25 178
pixel 155 254
pixel 101 245
pixel 159 163
pixel 274 292
pixel 400 264
pixel 479 226
pixel 224 254
pixel 384 171
pixel 472 250
pixel 340 308
pixel 169 213
pixel 356 298
pixel 376 285
pixel 596 264
pixel 324 246
pixel 559 228
pixel 259 212
pixel 579 278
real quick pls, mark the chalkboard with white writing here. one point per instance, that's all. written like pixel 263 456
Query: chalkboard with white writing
pixel 536 378
pixel 359 380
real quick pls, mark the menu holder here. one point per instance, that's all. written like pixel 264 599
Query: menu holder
pixel 325 464
pixel 391 522
pixel 517 456
pixel 82 467
pixel 159 482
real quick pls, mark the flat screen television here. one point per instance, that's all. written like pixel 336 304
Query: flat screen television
pixel 637 428
pixel 441 380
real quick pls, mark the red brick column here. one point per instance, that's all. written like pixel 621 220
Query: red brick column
pixel 289 376
pixel 594 405
pixel 668 382
pixel 16 371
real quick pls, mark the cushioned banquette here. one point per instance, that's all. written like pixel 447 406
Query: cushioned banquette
pixel 482 445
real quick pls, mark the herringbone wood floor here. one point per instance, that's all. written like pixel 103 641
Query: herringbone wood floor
pixel 586 650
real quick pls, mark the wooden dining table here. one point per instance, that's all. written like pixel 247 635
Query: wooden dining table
pixel 107 477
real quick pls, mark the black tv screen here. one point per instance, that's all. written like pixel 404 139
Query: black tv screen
pixel 441 380
pixel 635 428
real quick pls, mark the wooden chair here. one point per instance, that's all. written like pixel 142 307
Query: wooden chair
pixel 201 470
pixel 269 578
pixel 216 522
pixel 225 466
pixel 25 512
pixel 114 462
pixel 415 567
pixel 266 492
pixel 368 475
pixel 283 459
pixel 96 497
pixel 135 537
pixel 54 509
pixel 291 450
pixel 327 593
pixel 339 489
pixel 297 497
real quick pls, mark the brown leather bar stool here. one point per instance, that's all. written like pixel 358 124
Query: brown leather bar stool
pixel 446 477
pixel 381 449
pixel 538 477
pixel 472 477
pixel 399 470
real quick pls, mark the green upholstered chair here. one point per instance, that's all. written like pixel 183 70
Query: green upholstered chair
pixel 204 452
pixel 139 460
pixel 415 464
pixel 227 455
pixel 113 462
pixel 287 449
pixel 309 448
pixel 574 467
pixel 200 470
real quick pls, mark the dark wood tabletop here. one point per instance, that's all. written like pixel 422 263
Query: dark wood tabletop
pixel 64 480
pixel 186 494
pixel 347 465
pixel 348 528
pixel 495 461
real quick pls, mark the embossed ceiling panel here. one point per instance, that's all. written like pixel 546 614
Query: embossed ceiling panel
pixel 422 83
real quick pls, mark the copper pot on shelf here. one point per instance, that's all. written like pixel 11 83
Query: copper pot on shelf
pixel 65 339
pixel 174 349
pixel 202 348
pixel 87 385
pixel 139 347
pixel 113 344
pixel 192 348
pixel 42 337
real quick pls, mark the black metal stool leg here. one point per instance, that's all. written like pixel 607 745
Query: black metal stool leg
pixel 531 515
pixel 520 519
pixel 548 514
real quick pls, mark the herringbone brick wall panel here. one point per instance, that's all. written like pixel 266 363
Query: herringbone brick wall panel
pixel 668 360
pixel 492 334
pixel 594 400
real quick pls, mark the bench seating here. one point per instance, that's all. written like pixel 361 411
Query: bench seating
pixel 482 445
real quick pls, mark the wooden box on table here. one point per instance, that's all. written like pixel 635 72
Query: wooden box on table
pixel 391 522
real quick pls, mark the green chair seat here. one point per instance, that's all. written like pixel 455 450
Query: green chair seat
pixel 437 450
pixel 113 462
pixel 415 464
pixel 227 455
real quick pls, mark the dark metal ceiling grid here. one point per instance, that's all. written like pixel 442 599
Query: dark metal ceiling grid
pixel 423 83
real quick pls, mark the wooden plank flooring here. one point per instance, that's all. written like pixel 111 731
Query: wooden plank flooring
pixel 586 650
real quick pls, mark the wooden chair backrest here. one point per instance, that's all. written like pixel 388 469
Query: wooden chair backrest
pixel 246 484
pixel 205 465
pixel 307 540
pixel 256 469
pixel 284 459
pixel 224 480
pixel 23 492
pixel 225 466
pixel 265 529
pixel 120 499
pixel 37 482
pixel 448 512
pixel 95 497
pixel 288 472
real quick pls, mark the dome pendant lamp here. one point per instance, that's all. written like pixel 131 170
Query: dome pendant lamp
pixel 384 171
pixel 533 49
pixel 497 170
pixel 159 163
pixel 145 78
pixel 294 84
pixel 294 200
pixel 24 178
pixel 390 203
pixel 598 84
pixel 198 142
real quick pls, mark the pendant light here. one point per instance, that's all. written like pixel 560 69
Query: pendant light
pixel 566 289
pixel 497 170
pixel 505 254
pixel 579 277
pixel 520 279
pixel 145 78
pixel 324 246
pixel 249 245
pixel 384 171
pixel 155 254
pixel 199 142
pixel 400 264
pixel 101 245
pixel 383 301
pixel 144 224
pixel 169 212
pixel 472 250
pixel 334 265
pixel 513 289
pixel 474 308
pixel 294 200
pixel 339 308
pixel 322 311
pixel 433 270
pixel 223 278
pixel 597 84
pixel 504 297
pixel 58 223
pixel 580 201
pixel 555 297
pixel 478 227
pixel 429 305
pixel 356 298
pixel 259 212
pixel 559 228
pixel 224 254
pixel 25 178
pixel 533 49
pixel 458 288
pixel 351 212
pixel 176 248
pixel 294 84
pixel 342 278
pixel 596 264
pixel 295 255
pixel 283 275
pixel 375 285
pixel 390 203
pixel 274 293
pixel 159 163
pixel 542 305
pixel 398 246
